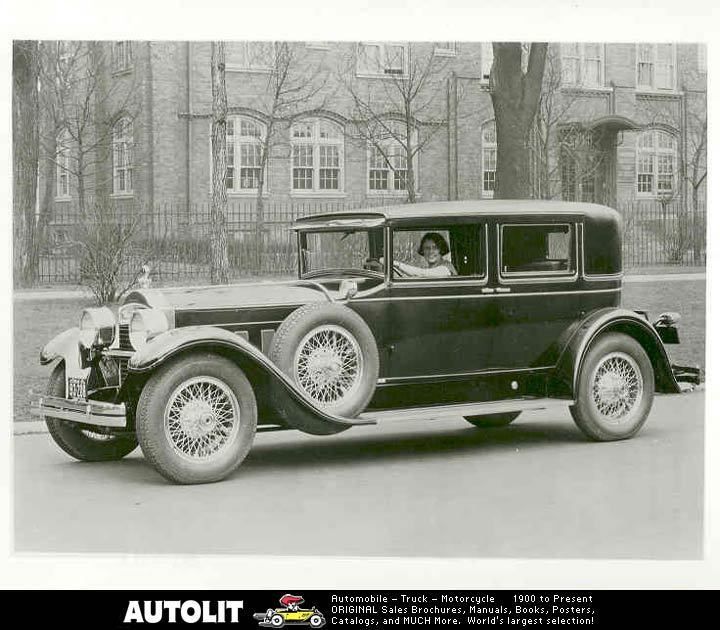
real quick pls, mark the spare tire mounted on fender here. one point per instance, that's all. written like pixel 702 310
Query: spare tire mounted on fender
pixel 331 355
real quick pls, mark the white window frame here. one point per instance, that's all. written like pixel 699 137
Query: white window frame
pixel 122 145
pixel 492 146
pixel 248 65
pixel 656 153
pixel 486 61
pixel 382 54
pixel 445 49
pixel 122 56
pixel 391 191
pixel 62 166
pixel 583 57
pixel 316 143
pixel 234 154
pixel 652 86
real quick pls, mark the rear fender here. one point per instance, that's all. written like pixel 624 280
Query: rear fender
pixel 66 347
pixel 579 339
pixel 275 391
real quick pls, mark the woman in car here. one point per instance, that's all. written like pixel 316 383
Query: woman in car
pixel 434 248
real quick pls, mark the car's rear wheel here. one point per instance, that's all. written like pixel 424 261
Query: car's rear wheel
pixel 316 621
pixel 493 420
pixel 330 354
pixel 80 443
pixel 615 389
pixel 196 418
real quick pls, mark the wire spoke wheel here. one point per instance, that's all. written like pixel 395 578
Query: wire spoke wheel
pixel 617 387
pixel 202 417
pixel 328 365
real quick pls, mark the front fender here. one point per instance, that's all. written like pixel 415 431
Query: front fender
pixel 284 396
pixel 579 339
pixel 66 346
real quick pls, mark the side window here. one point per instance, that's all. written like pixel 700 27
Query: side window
pixel 454 252
pixel 537 250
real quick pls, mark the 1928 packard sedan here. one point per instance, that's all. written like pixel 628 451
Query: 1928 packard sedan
pixel 479 309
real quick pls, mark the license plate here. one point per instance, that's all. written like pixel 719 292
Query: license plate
pixel 77 388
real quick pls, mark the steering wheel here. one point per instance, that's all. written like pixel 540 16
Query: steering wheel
pixel 399 272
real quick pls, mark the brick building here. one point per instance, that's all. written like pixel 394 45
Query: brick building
pixel 618 123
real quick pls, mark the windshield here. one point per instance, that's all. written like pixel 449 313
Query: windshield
pixel 340 249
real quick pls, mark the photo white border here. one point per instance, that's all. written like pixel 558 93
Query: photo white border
pixel 458 20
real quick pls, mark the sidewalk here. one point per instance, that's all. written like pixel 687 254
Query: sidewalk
pixel 677 275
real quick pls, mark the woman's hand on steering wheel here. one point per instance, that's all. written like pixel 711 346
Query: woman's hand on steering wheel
pixel 374 264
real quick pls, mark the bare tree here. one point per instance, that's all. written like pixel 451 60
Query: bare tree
pixel 25 121
pixel 219 264
pixel 515 94
pixel 398 115
pixel 82 107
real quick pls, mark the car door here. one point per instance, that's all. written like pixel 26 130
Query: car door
pixel 439 327
pixel 536 288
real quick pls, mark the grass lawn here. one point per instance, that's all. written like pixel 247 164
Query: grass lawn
pixel 37 321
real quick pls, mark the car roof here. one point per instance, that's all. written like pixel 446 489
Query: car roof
pixel 373 217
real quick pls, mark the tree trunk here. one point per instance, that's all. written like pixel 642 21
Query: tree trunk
pixel 218 212
pixel 25 160
pixel 515 97
pixel 259 201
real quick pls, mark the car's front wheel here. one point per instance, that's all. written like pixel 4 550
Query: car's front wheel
pixel 80 443
pixel 196 418
pixel 493 420
pixel 277 621
pixel 615 389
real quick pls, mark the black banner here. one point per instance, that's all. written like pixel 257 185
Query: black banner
pixel 356 609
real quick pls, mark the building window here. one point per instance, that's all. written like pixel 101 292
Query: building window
pixel 656 66
pixel 122 145
pixel 244 154
pixel 656 163
pixel 381 59
pixel 489 159
pixel 582 65
pixel 122 56
pixel 486 60
pixel 62 165
pixel 388 163
pixel 249 56
pixel 445 49
pixel 317 156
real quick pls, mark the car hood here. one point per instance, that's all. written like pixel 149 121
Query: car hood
pixel 230 296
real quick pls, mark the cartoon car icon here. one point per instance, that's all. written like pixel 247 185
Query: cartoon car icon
pixel 290 613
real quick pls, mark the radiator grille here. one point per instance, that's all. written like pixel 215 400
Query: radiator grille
pixel 123 367
pixel 124 337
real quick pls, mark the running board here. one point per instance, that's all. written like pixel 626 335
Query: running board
pixel 466 409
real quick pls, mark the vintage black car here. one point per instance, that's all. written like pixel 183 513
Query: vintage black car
pixel 480 309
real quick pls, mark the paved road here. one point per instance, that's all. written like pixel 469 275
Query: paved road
pixel 444 489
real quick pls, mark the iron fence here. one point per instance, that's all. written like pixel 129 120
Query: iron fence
pixel 174 240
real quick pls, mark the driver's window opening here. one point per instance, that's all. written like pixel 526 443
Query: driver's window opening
pixel 346 250
pixel 537 249
pixel 439 253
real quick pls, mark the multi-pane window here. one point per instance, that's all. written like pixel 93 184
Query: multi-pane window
pixel 656 66
pixel 486 60
pixel 256 56
pixel 62 165
pixel 445 49
pixel 244 154
pixel 317 156
pixel 388 163
pixel 121 56
pixel 582 64
pixel 381 59
pixel 489 159
pixel 122 156
pixel 656 163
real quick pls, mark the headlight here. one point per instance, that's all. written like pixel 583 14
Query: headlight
pixel 145 324
pixel 97 327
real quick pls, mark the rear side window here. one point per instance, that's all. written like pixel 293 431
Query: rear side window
pixel 529 250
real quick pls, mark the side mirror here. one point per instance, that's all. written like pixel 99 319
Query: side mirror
pixel 348 289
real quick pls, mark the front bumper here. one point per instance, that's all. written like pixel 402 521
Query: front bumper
pixel 90 412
